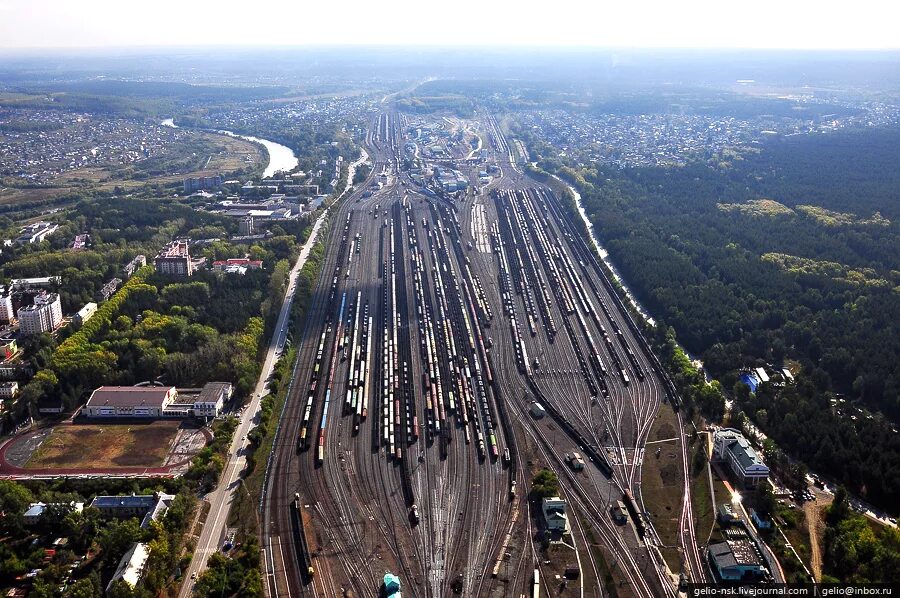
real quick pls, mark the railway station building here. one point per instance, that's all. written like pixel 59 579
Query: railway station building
pixel 730 446
pixel 555 515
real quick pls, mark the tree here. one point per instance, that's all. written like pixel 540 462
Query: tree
pixel 120 589
pixel 545 484
pixel 84 588
pixel 840 507
pixel 765 500
pixel 118 537
pixel 14 501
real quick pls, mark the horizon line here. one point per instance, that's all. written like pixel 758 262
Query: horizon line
pixel 438 46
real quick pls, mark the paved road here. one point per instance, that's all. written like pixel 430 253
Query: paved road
pixel 221 498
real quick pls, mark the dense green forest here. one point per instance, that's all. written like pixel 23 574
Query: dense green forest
pixel 789 252
pixel 857 551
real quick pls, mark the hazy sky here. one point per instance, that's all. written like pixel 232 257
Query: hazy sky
pixel 809 24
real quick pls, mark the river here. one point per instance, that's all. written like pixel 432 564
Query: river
pixel 281 157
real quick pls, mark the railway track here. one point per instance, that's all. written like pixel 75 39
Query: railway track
pixel 426 340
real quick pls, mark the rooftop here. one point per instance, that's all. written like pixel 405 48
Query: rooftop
pixel 132 565
pixel 175 249
pixel 129 396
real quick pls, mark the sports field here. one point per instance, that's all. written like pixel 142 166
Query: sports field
pixel 101 446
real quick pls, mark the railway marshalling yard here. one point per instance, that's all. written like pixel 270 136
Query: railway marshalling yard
pixel 407 443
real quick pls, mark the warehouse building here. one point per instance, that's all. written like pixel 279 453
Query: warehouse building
pixel 736 560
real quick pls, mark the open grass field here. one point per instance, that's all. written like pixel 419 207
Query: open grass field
pixel 103 446
pixel 661 482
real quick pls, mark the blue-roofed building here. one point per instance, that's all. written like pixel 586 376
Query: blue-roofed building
pixel 730 446
pixel 750 380
pixel 391 586
pixel 36 510
pixel 759 521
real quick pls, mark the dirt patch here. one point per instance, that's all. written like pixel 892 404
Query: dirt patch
pixel 105 446
pixel 815 524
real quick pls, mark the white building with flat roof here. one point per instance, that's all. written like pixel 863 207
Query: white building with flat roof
pixel 730 446
pixel 129 401
pixel 84 314
pixel 6 308
pixel 131 567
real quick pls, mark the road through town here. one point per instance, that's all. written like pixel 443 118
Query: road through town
pixel 221 498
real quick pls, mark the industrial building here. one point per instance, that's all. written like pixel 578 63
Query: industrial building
pixel 129 401
pixel 736 560
pixel 36 232
pixel 45 315
pixel 236 265
pixel 730 446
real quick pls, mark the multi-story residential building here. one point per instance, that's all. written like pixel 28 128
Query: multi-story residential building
pixel 107 290
pixel 44 316
pixel 149 507
pixel 193 184
pixel 175 259
pixel 6 307
pixel 131 267
pixel 9 390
